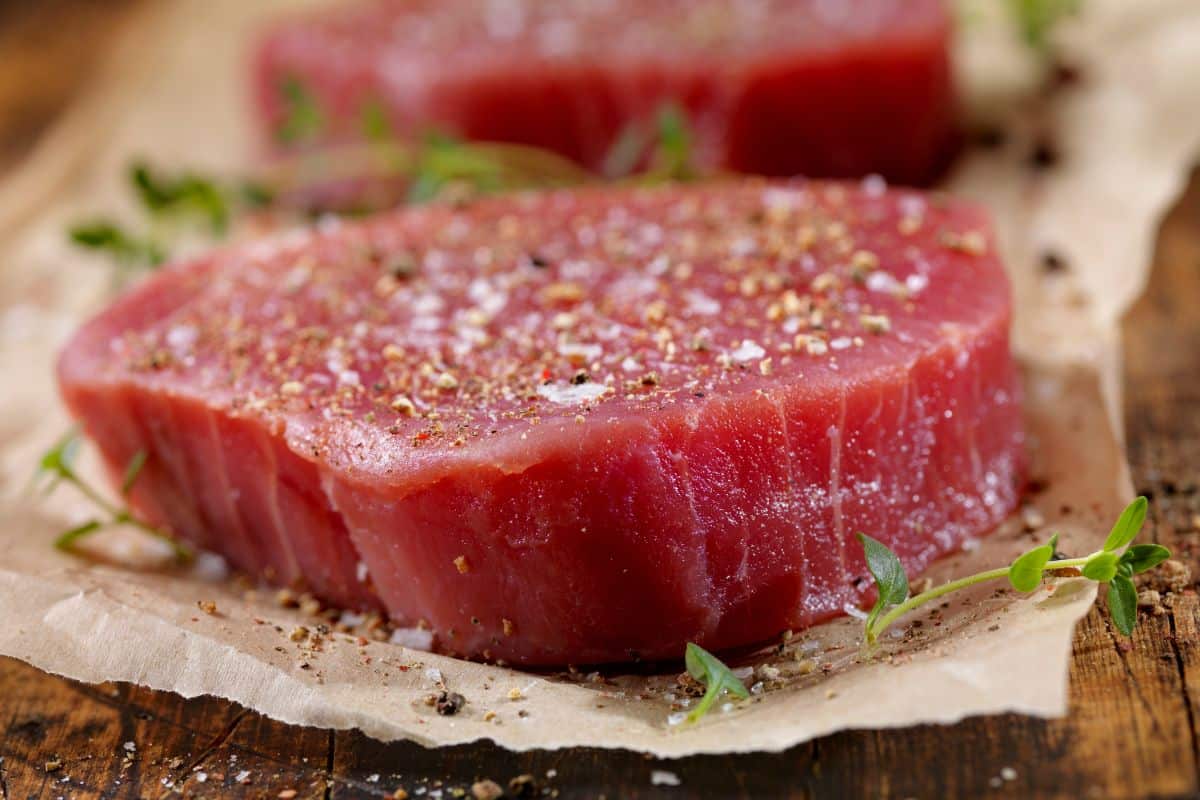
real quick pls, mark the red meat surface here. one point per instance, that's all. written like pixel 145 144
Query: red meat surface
pixel 778 87
pixel 576 427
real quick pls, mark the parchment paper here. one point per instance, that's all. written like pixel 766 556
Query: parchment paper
pixel 174 93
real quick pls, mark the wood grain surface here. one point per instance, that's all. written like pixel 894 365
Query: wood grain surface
pixel 1131 731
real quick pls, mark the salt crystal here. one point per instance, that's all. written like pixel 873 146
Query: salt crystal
pixel 573 394
pixel 854 611
pixel 748 351
pixel 662 777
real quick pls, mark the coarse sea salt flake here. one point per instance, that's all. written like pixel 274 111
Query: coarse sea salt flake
pixel 880 281
pixel 854 611
pixel 569 395
pixel 414 639
pixel 748 351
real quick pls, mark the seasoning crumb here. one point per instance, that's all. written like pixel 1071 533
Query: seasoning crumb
pixel 875 323
pixel 400 794
pixel 486 790
pixel 449 703
pixel 1152 600
pixel 1032 519
pixel 461 565
pixel 207 606
pixel 515 694
pixel 507 626
pixel 1008 773
pixel 53 765
pixel 522 786
pixel 489 715
pixel 298 634
pixel 287 794
pixel 404 405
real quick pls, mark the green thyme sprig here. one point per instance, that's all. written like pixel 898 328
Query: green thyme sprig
pixel 717 678
pixel 169 201
pixel 1035 19
pixel 58 465
pixel 668 146
pixel 303 117
pixel 128 250
pixel 1107 565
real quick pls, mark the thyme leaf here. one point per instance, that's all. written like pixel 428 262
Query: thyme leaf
pixel 1025 574
pixel 303 120
pixel 1035 19
pixel 185 194
pixel 890 579
pixel 129 250
pixel 717 678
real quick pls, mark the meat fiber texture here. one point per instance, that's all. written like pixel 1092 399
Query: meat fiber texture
pixel 776 87
pixel 576 427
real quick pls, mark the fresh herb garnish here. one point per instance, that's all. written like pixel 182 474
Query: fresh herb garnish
pixel 1106 565
pixel 716 677
pixel 303 118
pixel 669 142
pixel 182 195
pixel 58 464
pixel 673 154
pixel 127 249
pixel 1036 18
pixel 376 127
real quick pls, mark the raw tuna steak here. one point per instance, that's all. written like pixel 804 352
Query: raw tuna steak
pixel 780 87
pixel 581 426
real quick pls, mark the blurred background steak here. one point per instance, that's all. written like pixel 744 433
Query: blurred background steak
pixel 778 87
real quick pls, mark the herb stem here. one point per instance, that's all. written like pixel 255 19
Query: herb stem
pixel 122 516
pixel 884 622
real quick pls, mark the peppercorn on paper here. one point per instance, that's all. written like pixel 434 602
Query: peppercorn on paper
pixel 1077 235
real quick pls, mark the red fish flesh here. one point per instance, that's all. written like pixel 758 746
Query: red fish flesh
pixel 578 426
pixel 777 87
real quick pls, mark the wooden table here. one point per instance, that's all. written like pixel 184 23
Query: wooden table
pixel 1131 731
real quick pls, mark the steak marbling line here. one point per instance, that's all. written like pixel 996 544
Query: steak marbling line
pixel 778 87
pixel 576 427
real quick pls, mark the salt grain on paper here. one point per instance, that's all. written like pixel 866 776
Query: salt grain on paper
pixel 854 611
pixel 415 639
pixel 210 567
